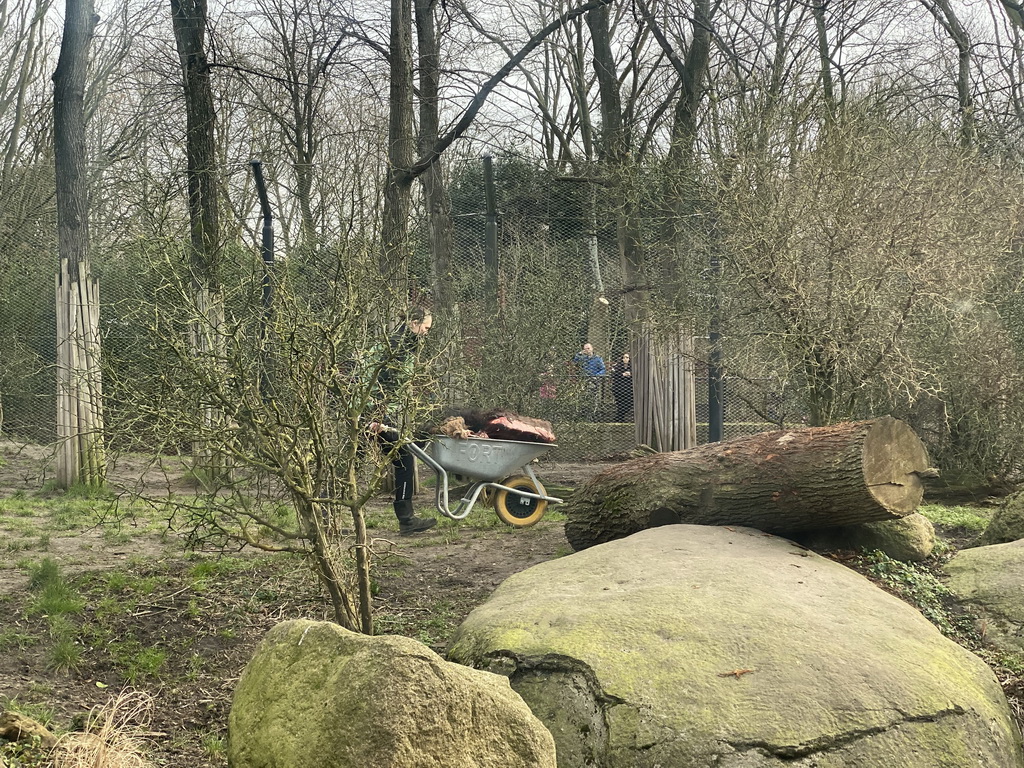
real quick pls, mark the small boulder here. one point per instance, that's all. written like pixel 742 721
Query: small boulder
pixel 1007 523
pixel 15 726
pixel 318 696
pixel 910 539
pixel 991 579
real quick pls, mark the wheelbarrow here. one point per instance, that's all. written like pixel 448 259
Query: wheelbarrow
pixel 499 465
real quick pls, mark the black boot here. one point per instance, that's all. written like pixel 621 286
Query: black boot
pixel 408 523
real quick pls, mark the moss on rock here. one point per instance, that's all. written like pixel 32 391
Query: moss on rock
pixel 1007 524
pixel 991 579
pixel 318 696
pixel 709 646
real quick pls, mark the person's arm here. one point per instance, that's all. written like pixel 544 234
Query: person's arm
pixel 599 366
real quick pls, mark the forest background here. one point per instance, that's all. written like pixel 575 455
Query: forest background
pixel 816 203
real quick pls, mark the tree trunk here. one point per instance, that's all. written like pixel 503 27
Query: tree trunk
pixel 944 14
pixel 80 455
pixel 79 409
pixel 395 247
pixel 435 193
pixel 664 391
pixel 781 482
pixel 189 21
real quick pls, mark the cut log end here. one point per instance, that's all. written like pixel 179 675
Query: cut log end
pixel 894 458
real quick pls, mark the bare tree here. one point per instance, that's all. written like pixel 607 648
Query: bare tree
pixel 404 166
pixel 24 54
pixel 288 77
pixel 435 193
pixel 304 464
pixel 845 267
pixel 80 406
pixel 947 19
pixel 26 202
pixel 189 20
pixel 663 351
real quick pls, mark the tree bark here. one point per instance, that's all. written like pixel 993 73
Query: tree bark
pixel 69 134
pixel 395 245
pixel 189 21
pixel 780 482
pixel 946 17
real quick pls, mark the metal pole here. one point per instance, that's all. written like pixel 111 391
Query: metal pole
pixel 716 383
pixel 490 235
pixel 267 254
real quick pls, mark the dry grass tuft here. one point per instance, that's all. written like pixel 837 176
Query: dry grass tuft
pixel 112 736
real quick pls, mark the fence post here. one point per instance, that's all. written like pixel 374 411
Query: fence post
pixel 490 237
pixel 716 384
pixel 267 253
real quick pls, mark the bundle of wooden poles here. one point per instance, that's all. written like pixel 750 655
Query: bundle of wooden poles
pixel 80 453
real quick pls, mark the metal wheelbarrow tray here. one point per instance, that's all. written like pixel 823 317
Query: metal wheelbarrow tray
pixel 483 459
pixel 520 499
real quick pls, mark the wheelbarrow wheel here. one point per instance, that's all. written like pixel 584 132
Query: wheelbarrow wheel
pixel 519 511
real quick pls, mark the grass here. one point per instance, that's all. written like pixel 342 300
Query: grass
pixel 432 628
pixel 206 569
pixel 44 714
pixel 22 521
pixel 42 573
pixel 145 663
pixel 65 655
pixel 31 520
pixel 11 639
pixel 56 600
pixel 971 520
pixel 53 596
pixel 215 746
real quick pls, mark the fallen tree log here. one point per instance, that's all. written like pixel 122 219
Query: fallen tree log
pixel 779 482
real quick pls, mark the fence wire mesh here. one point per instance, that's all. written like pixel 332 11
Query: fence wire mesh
pixel 514 317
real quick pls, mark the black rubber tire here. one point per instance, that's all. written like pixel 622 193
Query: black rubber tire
pixel 519 511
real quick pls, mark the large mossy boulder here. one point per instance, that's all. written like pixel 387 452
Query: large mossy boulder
pixel 317 696
pixel 991 579
pixel 691 646
pixel 1007 523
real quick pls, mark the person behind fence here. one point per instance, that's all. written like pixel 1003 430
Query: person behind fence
pixel 404 345
pixel 592 367
pixel 622 389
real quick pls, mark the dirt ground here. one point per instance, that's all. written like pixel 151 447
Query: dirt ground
pixel 144 602
pixel 180 626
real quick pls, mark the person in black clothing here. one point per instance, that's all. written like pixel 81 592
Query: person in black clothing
pixel 403 346
pixel 622 389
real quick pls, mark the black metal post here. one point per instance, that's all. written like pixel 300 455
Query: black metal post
pixel 267 254
pixel 716 383
pixel 490 235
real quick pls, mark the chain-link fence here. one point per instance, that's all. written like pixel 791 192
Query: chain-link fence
pixel 28 331
pixel 525 286
pixel 552 243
